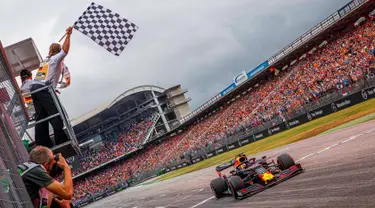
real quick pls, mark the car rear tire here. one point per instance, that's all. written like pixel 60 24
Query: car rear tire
pixel 285 161
pixel 235 184
pixel 218 187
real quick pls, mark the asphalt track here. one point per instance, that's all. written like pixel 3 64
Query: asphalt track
pixel 339 172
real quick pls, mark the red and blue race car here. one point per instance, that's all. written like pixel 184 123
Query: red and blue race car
pixel 251 176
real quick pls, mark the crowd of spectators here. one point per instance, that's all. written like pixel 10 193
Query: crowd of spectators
pixel 338 64
pixel 344 60
pixel 119 140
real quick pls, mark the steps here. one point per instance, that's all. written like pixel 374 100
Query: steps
pixel 154 120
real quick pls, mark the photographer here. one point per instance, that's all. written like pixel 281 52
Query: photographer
pixel 40 186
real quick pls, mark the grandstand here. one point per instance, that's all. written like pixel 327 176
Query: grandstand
pixel 330 61
pixel 126 123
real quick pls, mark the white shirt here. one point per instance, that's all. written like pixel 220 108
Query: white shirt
pixel 26 86
pixel 54 70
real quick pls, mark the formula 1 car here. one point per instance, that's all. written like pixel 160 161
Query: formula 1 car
pixel 251 176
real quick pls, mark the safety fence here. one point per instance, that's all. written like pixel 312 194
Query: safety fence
pixel 13 124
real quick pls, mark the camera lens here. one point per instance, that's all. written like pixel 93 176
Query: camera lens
pixel 56 158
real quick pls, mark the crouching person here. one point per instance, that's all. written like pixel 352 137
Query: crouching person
pixel 36 175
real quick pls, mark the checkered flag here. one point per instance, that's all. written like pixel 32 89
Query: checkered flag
pixel 106 28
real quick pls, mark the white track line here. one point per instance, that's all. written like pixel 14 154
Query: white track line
pixel 304 157
pixel 202 202
pixel 174 202
pixel 334 145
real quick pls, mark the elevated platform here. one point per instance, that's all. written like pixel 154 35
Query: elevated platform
pixel 69 148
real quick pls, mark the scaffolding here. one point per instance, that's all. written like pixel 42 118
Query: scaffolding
pixel 69 148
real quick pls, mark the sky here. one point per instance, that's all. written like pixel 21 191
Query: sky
pixel 200 44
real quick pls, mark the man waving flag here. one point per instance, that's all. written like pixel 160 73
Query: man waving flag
pixel 106 28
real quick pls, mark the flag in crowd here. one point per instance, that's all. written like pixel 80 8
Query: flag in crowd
pixel 274 70
pixel 106 28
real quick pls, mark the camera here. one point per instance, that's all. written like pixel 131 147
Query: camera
pixel 56 170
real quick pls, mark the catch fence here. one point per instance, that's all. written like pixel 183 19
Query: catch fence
pixel 13 124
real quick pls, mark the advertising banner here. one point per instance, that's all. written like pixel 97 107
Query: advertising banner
pixel 196 160
pixel 239 79
pixel 261 135
pixel 211 154
pixel 295 122
pixel 243 76
pixel 221 150
pixel 275 129
pixel 98 197
pixel 74 163
pixel 233 145
pixel 257 70
pixel 246 141
pixel 109 193
pixel 368 93
pixel 228 90
pixel 89 201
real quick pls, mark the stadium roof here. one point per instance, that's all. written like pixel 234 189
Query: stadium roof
pixel 99 109
pixel 90 114
pixel 134 90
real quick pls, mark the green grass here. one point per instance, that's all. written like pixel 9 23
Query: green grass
pixel 301 132
pixel 352 123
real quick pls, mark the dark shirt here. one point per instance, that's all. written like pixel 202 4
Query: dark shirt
pixel 36 179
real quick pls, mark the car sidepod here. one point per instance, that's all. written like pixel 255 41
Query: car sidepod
pixel 280 177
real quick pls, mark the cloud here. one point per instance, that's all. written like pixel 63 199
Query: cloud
pixel 199 44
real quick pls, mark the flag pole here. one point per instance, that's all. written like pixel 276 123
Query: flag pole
pixel 62 37
pixel 65 34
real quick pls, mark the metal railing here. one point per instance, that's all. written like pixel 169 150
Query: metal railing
pixel 69 148
pixel 316 30
pixel 13 123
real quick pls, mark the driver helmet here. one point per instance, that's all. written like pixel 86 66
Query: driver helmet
pixel 240 161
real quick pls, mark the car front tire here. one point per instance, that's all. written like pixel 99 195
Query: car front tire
pixel 218 187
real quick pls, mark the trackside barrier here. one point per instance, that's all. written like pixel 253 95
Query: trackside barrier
pixel 99 196
pixel 327 109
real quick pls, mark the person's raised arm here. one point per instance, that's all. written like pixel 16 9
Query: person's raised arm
pixel 65 190
pixel 66 45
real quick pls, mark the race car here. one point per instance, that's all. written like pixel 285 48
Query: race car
pixel 251 176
